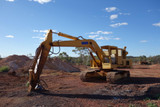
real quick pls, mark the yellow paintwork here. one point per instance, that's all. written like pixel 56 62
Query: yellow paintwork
pixel 105 58
pixel 67 36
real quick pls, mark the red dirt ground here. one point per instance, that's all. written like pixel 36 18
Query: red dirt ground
pixel 67 90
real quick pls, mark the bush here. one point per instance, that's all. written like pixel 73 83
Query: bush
pixel 131 105
pixel 4 69
pixel 150 104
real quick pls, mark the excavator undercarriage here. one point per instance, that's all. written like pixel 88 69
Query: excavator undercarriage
pixel 112 76
pixel 104 64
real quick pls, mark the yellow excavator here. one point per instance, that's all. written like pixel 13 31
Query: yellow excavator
pixel 104 64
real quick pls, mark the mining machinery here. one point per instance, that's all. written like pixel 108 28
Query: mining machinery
pixel 105 63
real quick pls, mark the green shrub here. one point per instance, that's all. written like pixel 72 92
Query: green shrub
pixel 27 84
pixel 131 105
pixel 147 98
pixel 150 104
pixel 4 69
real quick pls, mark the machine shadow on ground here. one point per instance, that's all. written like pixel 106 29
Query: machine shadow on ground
pixel 93 96
pixel 131 80
pixel 140 80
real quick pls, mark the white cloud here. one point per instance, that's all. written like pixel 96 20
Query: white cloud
pixel 9 36
pixel 143 41
pixel 35 30
pixel 93 36
pixel 110 9
pixel 10 0
pixel 91 33
pixel 42 1
pixel 42 33
pixel 98 35
pixel 107 38
pixel 118 24
pixel 100 32
pixel 116 38
pixel 114 16
pixel 156 24
pixel 100 38
pixel 41 38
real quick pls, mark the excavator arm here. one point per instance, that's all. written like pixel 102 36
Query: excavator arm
pixel 39 61
pixel 44 49
pixel 81 43
pixel 104 62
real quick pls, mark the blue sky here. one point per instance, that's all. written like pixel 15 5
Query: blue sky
pixel 131 23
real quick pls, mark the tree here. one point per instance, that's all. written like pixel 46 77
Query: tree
pixel 156 59
pixel 65 57
pixel 0 57
pixel 81 50
pixel 83 58
pixel 143 58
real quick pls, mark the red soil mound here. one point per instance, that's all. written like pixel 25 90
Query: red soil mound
pixel 22 63
pixel 58 64
pixel 15 61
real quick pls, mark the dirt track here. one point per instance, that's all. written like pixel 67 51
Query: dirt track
pixel 66 89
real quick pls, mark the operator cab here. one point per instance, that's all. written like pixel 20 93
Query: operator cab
pixel 113 57
pixel 110 57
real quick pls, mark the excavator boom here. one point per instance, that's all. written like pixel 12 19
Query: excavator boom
pixel 44 49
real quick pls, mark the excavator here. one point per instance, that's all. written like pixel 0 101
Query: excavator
pixel 104 64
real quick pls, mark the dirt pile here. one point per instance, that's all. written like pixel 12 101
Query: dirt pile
pixel 15 62
pixel 58 64
pixel 22 63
